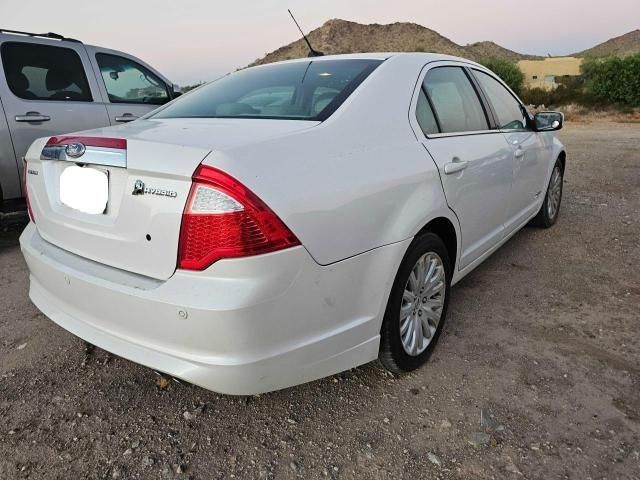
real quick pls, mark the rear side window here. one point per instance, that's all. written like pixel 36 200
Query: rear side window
pixel 507 108
pixel 43 72
pixel 309 90
pixel 129 82
pixel 456 103
pixel 425 116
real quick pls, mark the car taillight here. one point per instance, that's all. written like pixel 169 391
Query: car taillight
pixel 224 219
pixel 26 191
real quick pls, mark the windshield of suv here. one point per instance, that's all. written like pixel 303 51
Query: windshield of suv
pixel 310 90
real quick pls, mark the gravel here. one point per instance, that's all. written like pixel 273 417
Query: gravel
pixel 537 374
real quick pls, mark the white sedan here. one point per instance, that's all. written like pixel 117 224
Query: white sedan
pixel 288 221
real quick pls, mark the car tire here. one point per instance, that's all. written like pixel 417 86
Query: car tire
pixel 550 209
pixel 400 349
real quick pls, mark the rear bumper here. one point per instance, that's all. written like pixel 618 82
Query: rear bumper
pixel 244 326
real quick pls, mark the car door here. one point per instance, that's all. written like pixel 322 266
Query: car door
pixel 474 160
pixel 529 168
pixel 10 180
pixel 131 89
pixel 48 88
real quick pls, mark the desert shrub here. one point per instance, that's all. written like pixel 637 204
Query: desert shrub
pixel 508 71
pixel 536 96
pixel 569 91
pixel 613 80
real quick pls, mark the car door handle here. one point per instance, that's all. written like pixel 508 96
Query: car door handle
pixel 455 166
pixel 126 117
pixel 519 153
pixel 32 117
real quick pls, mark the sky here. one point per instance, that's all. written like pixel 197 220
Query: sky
pixel 190 41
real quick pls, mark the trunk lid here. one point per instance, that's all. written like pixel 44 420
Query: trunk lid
pixel 147 186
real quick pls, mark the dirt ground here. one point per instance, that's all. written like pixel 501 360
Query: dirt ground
pixel 537 374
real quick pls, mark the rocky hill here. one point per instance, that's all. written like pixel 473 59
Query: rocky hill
pixel 626 44
pixel 342 36
pixel 480 50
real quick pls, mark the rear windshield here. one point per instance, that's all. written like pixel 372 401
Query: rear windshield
pixel 310 90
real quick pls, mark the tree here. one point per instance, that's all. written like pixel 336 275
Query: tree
pixel 613 79
pixel 508 71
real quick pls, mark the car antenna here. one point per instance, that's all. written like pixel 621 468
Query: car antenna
pixel 312 52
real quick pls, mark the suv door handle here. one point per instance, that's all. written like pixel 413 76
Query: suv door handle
pixel 126 117
pixel 32 117
pixel 519 153
pixel 455 166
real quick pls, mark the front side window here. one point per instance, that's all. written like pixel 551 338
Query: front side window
pixel 43 72
pixel 129 82
pixel 507 108
pixel 309 90
pixel 455 101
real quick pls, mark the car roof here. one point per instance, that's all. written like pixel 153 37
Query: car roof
pixel 49 38
pixel 426 56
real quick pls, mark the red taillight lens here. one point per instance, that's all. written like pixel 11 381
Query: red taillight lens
pixel 224 219
pixel 26 191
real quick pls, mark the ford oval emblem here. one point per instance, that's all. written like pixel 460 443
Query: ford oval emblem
pixel 75 150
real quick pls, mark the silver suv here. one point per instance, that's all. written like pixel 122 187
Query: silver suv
pixel 51 85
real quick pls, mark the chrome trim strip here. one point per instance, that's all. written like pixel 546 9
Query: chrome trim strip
pixel 110 157
pixel 462 134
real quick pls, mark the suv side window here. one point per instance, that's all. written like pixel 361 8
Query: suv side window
pixel 43 72
pixel 456 103
pixel 129 82
pixel 507 108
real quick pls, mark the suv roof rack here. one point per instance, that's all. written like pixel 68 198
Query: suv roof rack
pixel 55 36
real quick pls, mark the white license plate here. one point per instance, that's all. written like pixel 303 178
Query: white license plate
pixel 85 189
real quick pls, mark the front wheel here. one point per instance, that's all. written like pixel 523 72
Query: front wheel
pixel 417 306
pixel 550 208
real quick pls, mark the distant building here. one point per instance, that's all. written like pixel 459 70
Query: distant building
pixel 545 73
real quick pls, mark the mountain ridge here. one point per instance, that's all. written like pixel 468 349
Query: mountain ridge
pixel 342 36
pixel 338 36
pixel 623 45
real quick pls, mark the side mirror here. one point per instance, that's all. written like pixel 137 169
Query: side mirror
pixel 176 90
pixel 548 121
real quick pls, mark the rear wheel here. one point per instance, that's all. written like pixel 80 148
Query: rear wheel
pixel 550 208
pixel 417 306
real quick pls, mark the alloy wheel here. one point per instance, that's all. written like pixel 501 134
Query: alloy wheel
pixel 555 193
pixel 422 303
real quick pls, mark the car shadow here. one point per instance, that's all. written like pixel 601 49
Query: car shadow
pixel 9 236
